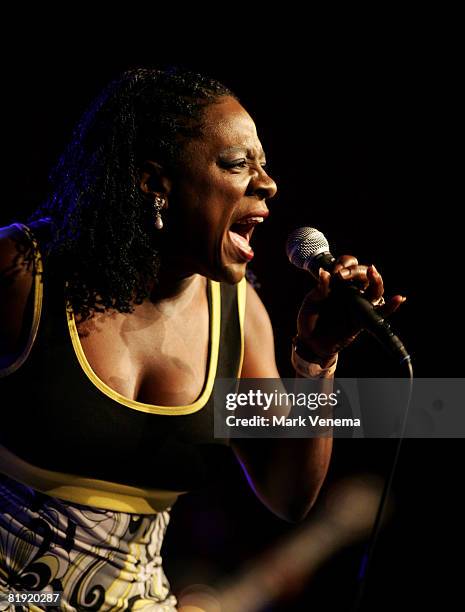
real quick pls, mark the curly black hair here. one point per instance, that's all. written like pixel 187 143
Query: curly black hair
pixel 103 243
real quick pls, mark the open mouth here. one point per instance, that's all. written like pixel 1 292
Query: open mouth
pixel 240 233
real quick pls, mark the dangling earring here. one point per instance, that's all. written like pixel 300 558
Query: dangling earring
pixel 159 204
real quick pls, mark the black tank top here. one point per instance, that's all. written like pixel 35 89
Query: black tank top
pixel 65 433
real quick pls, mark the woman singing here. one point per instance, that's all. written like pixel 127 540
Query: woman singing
pixel 121 301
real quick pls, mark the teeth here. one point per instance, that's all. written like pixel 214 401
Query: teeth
pixel 250 220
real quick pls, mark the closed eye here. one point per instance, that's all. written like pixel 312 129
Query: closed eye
pixel 237 163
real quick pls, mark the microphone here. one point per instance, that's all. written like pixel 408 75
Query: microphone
pixel 307 248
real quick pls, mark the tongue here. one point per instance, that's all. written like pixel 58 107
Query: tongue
pixel 242 244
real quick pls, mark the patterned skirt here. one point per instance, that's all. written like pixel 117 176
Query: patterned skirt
pixel 98 559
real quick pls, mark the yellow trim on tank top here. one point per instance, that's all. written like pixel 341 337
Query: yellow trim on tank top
pixel 214 343
pixel 241 303
pixel 87 491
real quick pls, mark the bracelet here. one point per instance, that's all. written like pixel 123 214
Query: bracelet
pixel 307 354
pixel 308 364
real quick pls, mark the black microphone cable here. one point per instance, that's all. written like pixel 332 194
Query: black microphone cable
pixel 367 557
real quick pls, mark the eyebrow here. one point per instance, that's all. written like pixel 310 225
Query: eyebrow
pixel 261 152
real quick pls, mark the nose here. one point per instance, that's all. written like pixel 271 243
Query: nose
pixel 262 185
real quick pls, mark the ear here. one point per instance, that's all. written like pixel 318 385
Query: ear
pixel 153 179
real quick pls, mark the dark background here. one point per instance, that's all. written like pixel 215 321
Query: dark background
pixel 362 141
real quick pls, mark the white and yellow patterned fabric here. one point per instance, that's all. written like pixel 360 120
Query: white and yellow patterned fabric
pixel 99 559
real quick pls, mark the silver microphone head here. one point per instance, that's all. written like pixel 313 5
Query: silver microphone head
pixel 305 243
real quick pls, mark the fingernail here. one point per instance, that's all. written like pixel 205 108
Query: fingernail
pixel 345 273
pixel 320 272
pixel 375 271
pixel 403 299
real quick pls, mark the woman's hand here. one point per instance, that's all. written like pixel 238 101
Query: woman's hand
pixel 324 325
